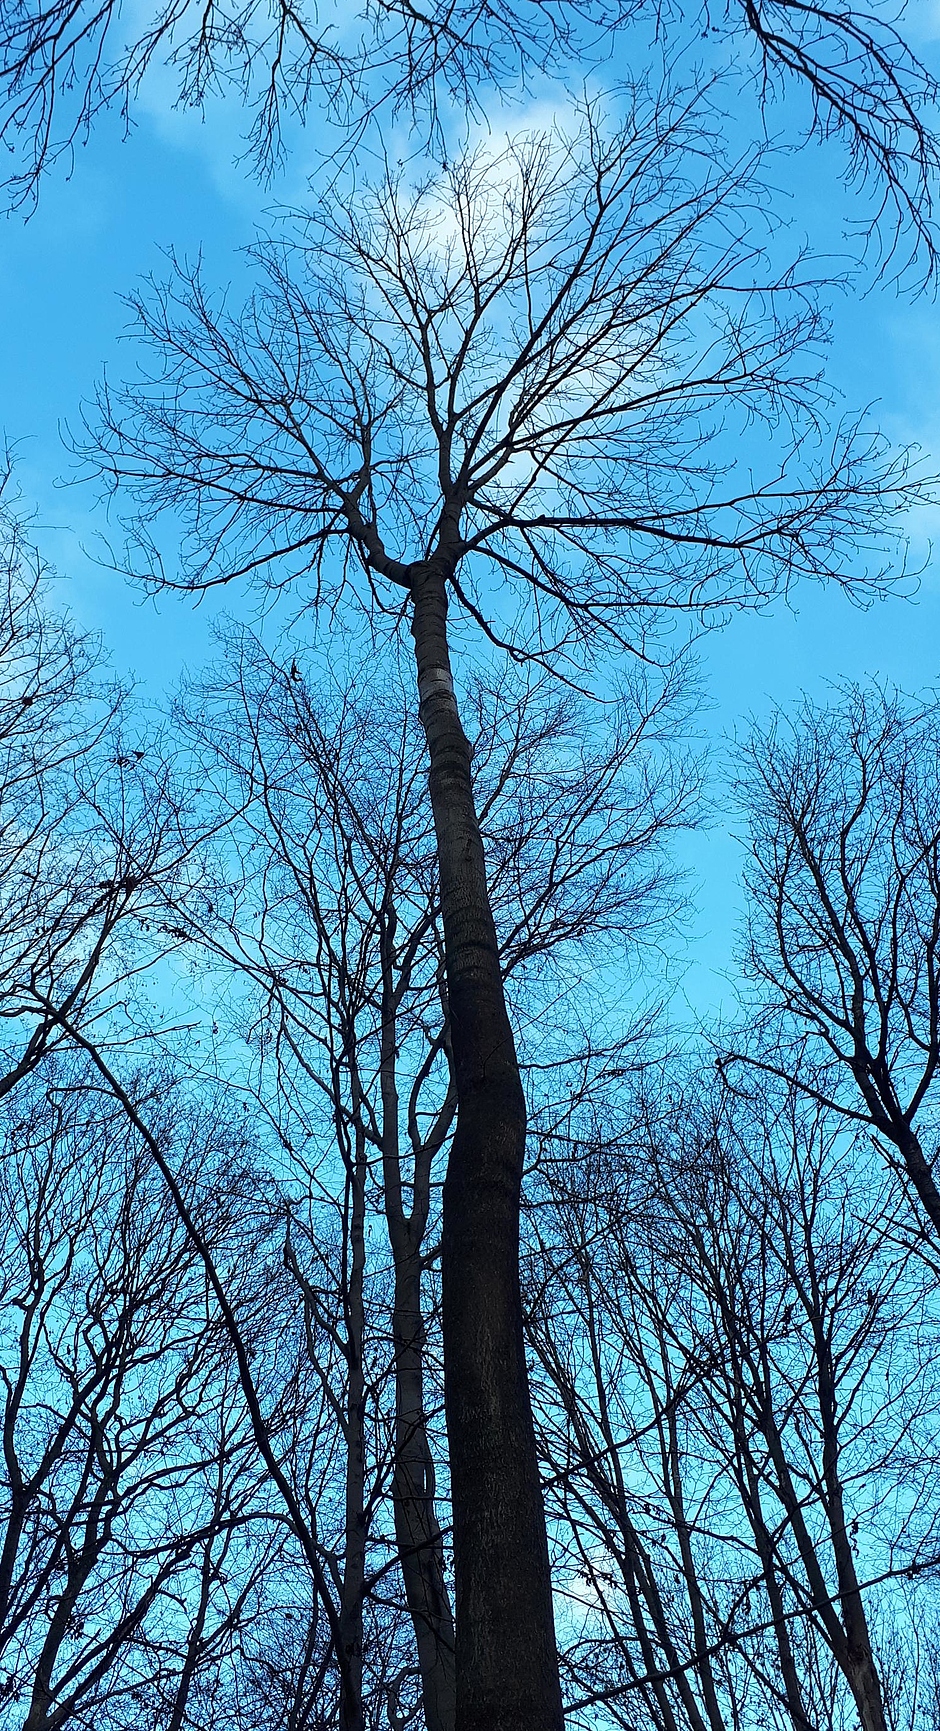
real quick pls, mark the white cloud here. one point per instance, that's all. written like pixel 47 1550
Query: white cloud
pixel 922 21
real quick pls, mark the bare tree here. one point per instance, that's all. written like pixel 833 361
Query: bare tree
pixel 138 1531
pixel 518 368
pixel 91 849
pixel 844 887
pixel 736 1366
pixel 64 62
pixel 89 834
pixel 332 919
pixel 333 916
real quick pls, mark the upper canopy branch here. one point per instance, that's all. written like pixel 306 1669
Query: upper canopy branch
pixel 569 365
pixel 62 62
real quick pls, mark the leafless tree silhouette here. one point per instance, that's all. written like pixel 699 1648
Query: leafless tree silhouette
pixel 90 837
pixel 844 887
pixel 332 921
pixel 63 62
pixel 137 1532
pixel 533 368
pixel 735 1361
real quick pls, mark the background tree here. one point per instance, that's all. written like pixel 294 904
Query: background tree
pixel 844 896
pixel 735 1363
pixel 138 1540
pixel 90 836
pixel 94 849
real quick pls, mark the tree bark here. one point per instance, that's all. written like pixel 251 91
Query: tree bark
pixel 748 1479
pixel 860 1667
pixel 506 1659
pixel 848 1637
pixel 417 1531
pixel 920 1172
pixel 420 1542
pixel 874 1081
pixel 354 1563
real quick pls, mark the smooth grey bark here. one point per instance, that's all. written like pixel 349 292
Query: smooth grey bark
pixel 506 1658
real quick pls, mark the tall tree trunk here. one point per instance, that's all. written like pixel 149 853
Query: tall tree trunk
pixel 748 1479
pixel 196 1630
pixel 672 1478
pixel 860 1666
pixel 82 1558
pixel 420 1542
pixel 417 1531
pixel 354 1562
pixel 506 1660
pixel 847 1635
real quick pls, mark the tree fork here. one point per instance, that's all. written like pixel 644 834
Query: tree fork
pixel 506 1659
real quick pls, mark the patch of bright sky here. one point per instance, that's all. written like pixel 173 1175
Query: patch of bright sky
pixel 175 182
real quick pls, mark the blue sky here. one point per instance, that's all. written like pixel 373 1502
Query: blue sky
pixel 174 182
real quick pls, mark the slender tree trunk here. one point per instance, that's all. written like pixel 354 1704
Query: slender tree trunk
pixel 874 1082
pixel 20 1493
pixel 95 1535
pixel 672 1479
pixel 860 1666
pixel 18 1508
pixel 848 1635
pixel 354 1564
pixel 420 1542
pixel 637 1570
pixel 417 1531
pixel 194 1637
pixel 749 1482
pixel 506 1660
